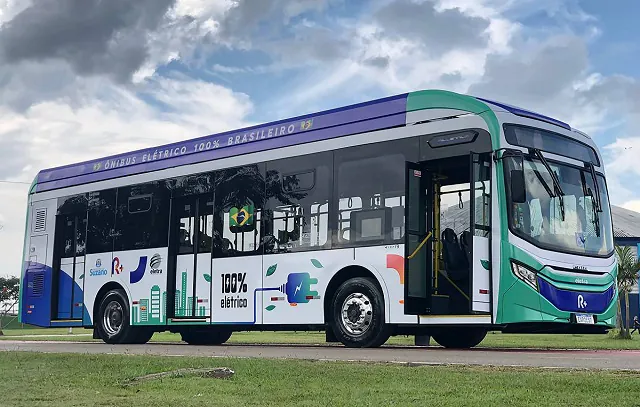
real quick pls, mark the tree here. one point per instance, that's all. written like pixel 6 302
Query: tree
pixel 9 296
pixel 628 268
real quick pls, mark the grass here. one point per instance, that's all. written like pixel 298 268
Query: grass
pixel 493 340
pixel 34 379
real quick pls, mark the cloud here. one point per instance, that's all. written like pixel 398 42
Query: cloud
pixel 248 17
pixel 437 30
pixel 378 62
pixel 399 46
pixel 537 75
pixel 95 37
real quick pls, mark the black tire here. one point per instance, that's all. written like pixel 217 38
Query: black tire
pixel 143 335
pixel 367 328
pixel 459 338
pixel 215 336
pixel 125 333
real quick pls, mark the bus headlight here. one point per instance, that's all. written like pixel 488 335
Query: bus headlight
pixel 525 274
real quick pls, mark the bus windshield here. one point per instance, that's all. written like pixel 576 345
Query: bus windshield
pixel 564 214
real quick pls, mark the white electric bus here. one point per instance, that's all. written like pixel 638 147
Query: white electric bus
pixel 333 221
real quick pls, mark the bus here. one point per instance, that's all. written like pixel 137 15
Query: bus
pixel 429 213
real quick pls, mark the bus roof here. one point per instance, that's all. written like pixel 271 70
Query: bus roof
pixel 359 118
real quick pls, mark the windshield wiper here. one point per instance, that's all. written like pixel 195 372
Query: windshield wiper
pixel 554 178
pixel 594 209
pixel 597 202
pixel 587 192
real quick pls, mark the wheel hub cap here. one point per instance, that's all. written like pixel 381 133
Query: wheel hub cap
pixel 113 317
pixel 357 313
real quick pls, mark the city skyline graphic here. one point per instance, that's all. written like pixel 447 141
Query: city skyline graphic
pixel 153 310
pixel 184 304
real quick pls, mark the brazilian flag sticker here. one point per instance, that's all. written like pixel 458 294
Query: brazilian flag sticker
pixel 241 220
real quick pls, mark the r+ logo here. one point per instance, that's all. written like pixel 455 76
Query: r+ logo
pixel 581 302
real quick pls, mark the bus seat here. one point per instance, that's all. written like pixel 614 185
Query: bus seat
pixel 455 259
pixel 465 244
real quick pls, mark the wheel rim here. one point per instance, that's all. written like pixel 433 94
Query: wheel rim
pixel 113 318
pixel 357 313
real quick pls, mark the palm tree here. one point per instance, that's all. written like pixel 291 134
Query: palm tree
pixel 628 268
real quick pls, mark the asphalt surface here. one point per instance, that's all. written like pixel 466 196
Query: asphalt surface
pixel 564 359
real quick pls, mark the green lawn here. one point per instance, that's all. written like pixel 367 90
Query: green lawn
pixel 493 340
pixel 34 379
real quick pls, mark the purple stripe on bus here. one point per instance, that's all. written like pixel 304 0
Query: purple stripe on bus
pixel 300 125
pixel 267 144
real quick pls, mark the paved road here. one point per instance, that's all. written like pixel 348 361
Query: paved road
pixel 579 359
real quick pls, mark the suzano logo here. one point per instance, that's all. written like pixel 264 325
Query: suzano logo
pixel 155 263
pixel 98 270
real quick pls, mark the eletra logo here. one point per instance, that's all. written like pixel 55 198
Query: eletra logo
pixel 156 261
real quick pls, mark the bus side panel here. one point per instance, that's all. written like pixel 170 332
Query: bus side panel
pixel 146 287
pixel 295 285
pixel 389 261
pixel 37 301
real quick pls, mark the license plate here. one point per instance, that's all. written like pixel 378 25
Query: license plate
pixel 584 319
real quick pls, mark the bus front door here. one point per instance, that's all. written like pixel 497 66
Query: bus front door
pixel 190 258
pixel 480 233
pixel 418 268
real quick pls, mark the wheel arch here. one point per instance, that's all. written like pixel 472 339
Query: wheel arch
pixel 111 285
pixel 348 271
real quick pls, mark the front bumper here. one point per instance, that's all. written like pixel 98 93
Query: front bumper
pixel 557 302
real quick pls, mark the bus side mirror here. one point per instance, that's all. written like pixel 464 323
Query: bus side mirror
pixel 518 191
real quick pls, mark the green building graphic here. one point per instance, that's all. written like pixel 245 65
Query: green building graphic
pixel 153 310
pixel 184 304
pixel 147 311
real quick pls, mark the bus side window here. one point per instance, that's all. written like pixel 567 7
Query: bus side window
pixel 142 217
pixel 238 206
pixel 102 208
pixel 369 188
pixel 298 195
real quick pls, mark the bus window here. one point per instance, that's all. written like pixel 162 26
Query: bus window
pixel 142 217
pixel 298 194
pixel 370 192
pixel 101 220
pixel 238 203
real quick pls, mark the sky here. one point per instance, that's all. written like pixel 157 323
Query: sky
pixel 81 79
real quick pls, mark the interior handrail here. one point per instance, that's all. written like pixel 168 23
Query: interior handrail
pixel 420 246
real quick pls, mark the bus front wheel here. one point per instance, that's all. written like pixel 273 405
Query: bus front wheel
pixel 357 314
pixel 459 337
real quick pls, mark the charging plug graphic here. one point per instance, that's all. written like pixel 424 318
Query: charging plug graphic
pixel 298 288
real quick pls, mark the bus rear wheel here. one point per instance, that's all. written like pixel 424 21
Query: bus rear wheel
pixel 357 314
pixel 459 338
pixel 214 336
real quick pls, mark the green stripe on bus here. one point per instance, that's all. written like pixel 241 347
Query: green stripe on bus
pixel 442 99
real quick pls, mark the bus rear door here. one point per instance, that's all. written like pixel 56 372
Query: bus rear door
pixel 190 258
